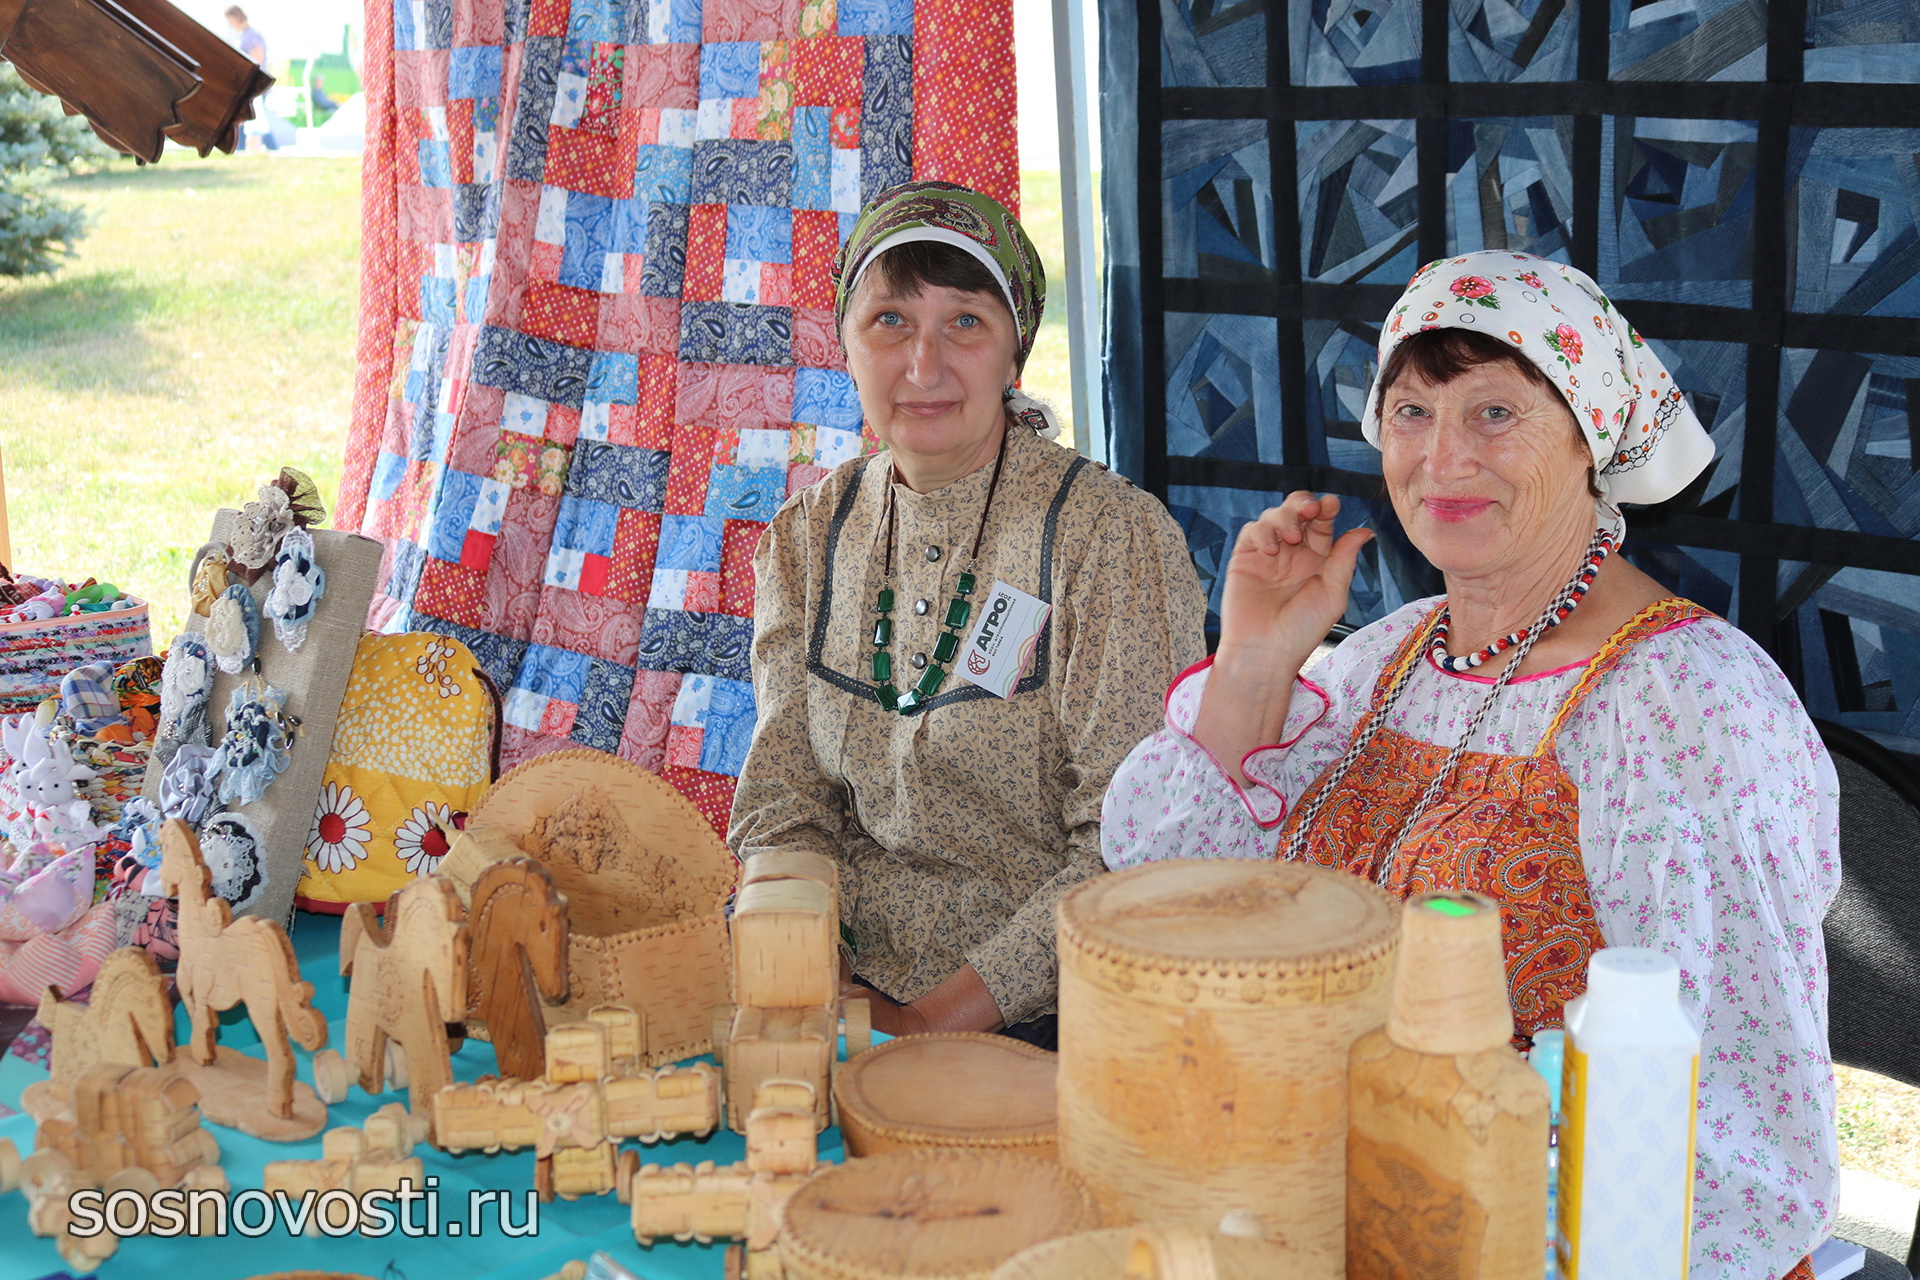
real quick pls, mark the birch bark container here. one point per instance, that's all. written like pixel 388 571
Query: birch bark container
pixel 961 1090
pixel 1147 1253
pixel 1207 1009
pixel 927 1215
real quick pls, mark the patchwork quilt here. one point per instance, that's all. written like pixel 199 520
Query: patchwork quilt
pixel 596 344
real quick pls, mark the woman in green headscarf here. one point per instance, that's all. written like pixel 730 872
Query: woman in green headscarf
pixel 957 639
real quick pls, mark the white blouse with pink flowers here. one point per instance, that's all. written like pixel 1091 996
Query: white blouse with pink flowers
pixel 1709 825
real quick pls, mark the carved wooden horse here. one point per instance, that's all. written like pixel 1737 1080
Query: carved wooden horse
pixel 517 929
pixel 409 981
pixel 226 962
pixel 127 1021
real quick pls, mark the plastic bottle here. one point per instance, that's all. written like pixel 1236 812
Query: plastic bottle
pixel 1626 1139
pixel 1446 1124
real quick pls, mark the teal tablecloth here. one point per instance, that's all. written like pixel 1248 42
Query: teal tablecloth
pixel 566 1230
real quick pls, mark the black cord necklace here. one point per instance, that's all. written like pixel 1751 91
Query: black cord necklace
pixel 959 609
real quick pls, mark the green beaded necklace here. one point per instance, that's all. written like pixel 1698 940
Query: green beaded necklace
pixel 958 611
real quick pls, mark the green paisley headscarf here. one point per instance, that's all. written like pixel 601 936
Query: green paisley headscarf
pixel 948 214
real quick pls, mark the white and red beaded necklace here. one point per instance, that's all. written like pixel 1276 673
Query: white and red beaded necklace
pixel 1598 550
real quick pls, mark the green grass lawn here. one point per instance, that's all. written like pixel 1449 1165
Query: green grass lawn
pixel 201 339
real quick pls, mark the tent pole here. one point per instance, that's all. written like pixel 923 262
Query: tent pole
pixel 1075 108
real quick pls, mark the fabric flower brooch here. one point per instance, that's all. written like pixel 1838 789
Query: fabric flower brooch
pixel 298 584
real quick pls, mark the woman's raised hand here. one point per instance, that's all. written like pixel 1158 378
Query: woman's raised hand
pixel 1287 583
pixel 1286 587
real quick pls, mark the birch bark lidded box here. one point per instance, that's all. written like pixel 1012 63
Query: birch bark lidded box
pixel 1206 1012
pixel 961 1089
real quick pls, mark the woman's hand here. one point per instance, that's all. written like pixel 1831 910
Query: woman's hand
pixel 1286 586
pixel 1286 582
pixel 960 1003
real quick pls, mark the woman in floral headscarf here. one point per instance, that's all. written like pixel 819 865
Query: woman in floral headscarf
pixel 958 789
pixel 1613 764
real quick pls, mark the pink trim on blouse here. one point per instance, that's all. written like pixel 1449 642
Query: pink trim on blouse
pixel 1326 705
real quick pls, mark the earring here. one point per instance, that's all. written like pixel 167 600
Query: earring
pixel 298 584
pixel 258 743
pixel 233 628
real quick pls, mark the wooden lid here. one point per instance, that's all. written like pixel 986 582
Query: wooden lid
pixel 1220 918
pixel 1148 1253
pixel 1450 994
pixel 962 1089
pixel 928 1215
pixel 628 850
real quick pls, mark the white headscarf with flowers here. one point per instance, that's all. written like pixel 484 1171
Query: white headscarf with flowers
pixel 1646 443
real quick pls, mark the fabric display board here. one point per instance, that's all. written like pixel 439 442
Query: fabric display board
pixel 1738 178
pixel 596 344
pixel 276 826
pixel 35 655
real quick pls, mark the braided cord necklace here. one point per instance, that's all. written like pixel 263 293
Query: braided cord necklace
pixel 959 609
pixel 1552 616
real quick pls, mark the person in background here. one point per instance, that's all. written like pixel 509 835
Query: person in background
pixel 319 103
pixel 1613 764
pixel 246 36
pixel 254 45
pixel 958 815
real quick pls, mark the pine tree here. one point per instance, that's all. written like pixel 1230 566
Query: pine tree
pixel 38 142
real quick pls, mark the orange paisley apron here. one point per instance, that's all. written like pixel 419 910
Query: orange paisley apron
pixel 1507 827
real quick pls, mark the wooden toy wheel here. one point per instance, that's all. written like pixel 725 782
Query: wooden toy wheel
pixel 625 1169
pixel 42 1168
pixel 856 1023
pixel 396 1066
pixel 331 1076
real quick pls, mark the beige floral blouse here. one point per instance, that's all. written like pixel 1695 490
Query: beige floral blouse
pixel 958 827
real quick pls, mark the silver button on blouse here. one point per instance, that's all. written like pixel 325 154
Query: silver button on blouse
pixel 919 661
pixel 921 606
pixel 933 554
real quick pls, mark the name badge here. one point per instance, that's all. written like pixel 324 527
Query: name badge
pixel 1000 648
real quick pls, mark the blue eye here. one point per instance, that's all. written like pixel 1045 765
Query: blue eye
pixel 1498 413
pixel 889 318
pixel 968 322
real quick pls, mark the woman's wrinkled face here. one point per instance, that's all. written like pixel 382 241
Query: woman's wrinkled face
pixel 931 369
pixel 1485 471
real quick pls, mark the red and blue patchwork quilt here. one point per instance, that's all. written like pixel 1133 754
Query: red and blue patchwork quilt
pixel 596 342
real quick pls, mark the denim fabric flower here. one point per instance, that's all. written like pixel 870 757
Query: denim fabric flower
pixel 256 747
pixel 233 629
pixel 185 685
pixel 188 790
pixel 298 584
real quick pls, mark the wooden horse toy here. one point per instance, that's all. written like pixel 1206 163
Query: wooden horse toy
pixel 517 933
pixel 128 1020
pixel 409 981
pixel 226 962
